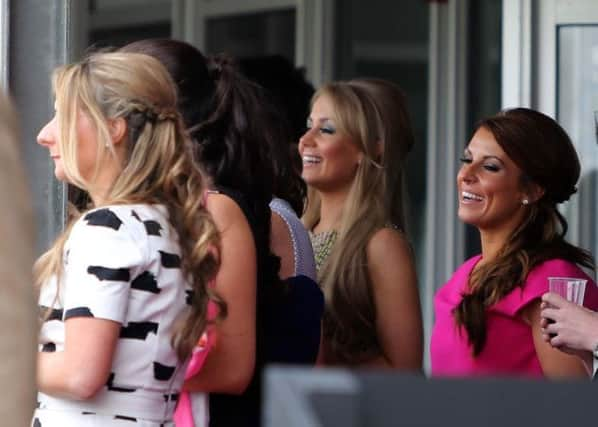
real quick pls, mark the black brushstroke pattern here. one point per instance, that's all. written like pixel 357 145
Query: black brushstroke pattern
pixel 49 347
pixel 138 330
pixel 189 297
pixel 136 216
pixel 112 274
pixel 174 397
pixel 170 260
pixel 152 228
pixel 78 312
pixel 55 313
pixel 163 372
pixel 111 387
pixel 146 281
pixel 36 423
pixel 103 218
pixel 122 417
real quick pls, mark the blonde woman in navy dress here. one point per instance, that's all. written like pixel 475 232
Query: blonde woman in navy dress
pixel 123 298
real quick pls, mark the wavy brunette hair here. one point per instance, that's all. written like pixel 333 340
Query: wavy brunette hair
pixel 373 114
pixel 546 156
pixel 290 93
pixel 157 169
pixel 236 134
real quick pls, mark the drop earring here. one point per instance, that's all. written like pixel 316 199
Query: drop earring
pixel 525 202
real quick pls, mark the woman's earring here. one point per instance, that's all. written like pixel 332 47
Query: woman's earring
pixel 525 202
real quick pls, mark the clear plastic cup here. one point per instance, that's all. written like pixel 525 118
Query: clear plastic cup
pixel 570 288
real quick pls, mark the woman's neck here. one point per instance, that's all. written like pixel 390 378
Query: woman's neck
pixel 101 185
pixel 494 238
pixel 99 191
pixel 98 198
pixel 492 243
pixel 331 211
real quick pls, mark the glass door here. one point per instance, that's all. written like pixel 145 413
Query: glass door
pixel 567 79
pixel 299 30
pixel 550 63
pixel 577 112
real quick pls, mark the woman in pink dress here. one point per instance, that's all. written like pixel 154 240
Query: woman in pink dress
pixel 518 166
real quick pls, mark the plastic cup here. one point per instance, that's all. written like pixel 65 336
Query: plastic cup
pixel 570 288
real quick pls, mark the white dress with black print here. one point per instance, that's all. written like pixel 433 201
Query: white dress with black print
pixel 121 263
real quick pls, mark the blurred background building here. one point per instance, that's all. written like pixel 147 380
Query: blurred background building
pixel 457 60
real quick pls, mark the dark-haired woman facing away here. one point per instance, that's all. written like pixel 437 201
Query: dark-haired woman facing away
pixel 289 93
pixel 518 166
pixel 235 133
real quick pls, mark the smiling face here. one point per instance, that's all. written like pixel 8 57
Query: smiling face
pixel 490 186
pixel 330 156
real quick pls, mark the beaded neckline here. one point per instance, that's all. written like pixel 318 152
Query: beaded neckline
pixel 322 244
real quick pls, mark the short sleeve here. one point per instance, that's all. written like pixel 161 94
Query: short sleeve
pixel 101 257
pixel 536 285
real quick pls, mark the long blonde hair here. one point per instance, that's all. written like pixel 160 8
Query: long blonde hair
pixel 157 169
pixel 373 114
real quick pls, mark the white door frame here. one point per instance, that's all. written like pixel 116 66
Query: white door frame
pixel 551 14
pixel 447 95
pixel 4 42
pixel 517 53
pixel 530 33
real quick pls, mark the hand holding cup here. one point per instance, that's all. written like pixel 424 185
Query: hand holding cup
pixel 566 324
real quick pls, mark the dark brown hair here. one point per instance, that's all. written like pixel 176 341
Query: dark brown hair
pixel 290 94
pixel 546 156
pixel 235 133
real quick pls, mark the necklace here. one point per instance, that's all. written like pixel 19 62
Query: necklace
pixel 322 244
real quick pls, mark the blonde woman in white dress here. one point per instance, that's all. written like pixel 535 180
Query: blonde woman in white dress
pixel 124 289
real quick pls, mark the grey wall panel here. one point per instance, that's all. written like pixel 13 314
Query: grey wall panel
pixel 311 397
pixel 38 43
